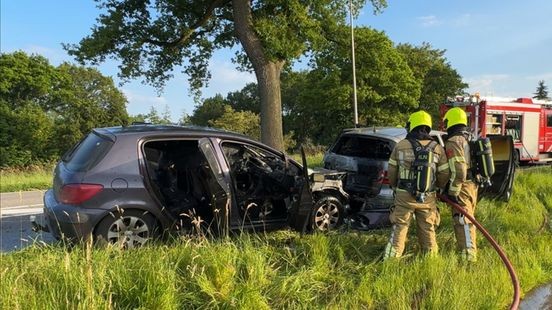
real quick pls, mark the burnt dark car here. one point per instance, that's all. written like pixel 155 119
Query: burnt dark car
pixel 129 184
pixel 363 153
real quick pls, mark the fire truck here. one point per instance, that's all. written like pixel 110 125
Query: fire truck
pixel 527 121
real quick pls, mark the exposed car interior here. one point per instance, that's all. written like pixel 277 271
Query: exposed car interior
pixel 179 174
pixel 364 180
pixel 263 181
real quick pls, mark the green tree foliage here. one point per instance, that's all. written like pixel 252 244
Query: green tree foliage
pixel 153 117
pixel 46 109
pixel 244 122
pixel 322 98
pixel 212 108
pixel 542 91
pixel 317 103
pixel 246 99
pixel 152 39
pixel 86 99
pixel 437 76
pixel 26 134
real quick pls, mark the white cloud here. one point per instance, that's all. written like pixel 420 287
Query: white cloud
pixel 429 21
pixel 461 20
pixel 225 78
pixel 487 84
pixel 55 56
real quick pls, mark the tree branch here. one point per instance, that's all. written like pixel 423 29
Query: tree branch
pixel 243 26
pixel 187 33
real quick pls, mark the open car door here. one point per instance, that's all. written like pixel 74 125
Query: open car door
pixel 300 214
pixel 220 189
pixel 503 179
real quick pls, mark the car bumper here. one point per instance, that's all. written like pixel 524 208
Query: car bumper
pixel 68 222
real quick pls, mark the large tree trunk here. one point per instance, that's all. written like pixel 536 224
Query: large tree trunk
pixel 268 79
pixel 267 72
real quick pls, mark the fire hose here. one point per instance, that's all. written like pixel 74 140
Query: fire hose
pixel 498 249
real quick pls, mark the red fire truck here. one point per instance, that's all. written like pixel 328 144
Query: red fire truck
pixel 527 121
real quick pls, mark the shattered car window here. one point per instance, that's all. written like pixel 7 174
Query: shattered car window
pixel 364 147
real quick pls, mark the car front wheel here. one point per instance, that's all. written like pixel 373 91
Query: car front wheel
pixel 127 229
pixel 328 213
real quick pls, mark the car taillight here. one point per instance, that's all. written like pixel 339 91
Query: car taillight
pixel 385 178
pixel 78 193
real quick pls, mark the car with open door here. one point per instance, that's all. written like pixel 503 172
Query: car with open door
pixel 127 185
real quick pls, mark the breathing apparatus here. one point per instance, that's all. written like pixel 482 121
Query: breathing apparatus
pixel 482 162
pixel 422 171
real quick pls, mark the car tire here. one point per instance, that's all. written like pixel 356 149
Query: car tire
pixel 328 214
pixel 127 229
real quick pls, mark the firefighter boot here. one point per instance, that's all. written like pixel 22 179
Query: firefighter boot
pixel 469 255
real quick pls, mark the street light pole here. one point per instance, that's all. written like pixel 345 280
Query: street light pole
pixel 353 60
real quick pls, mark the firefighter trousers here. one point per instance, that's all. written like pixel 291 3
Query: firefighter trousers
pixel 427 220
pixel 464 230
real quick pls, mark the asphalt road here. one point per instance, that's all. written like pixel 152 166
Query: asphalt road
pixel 15 226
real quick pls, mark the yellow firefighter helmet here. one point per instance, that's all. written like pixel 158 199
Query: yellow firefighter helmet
pixel 418 119
pixel 455 116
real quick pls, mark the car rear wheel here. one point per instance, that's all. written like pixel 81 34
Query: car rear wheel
pixel 328 214
pixel 127 229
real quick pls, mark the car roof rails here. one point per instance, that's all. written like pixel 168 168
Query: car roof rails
pixel 140 123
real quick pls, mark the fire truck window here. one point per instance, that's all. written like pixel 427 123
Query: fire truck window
pixel 513 126
pixel 549 120
pixel 494 124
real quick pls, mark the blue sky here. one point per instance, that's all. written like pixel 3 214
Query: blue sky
pixel 501 48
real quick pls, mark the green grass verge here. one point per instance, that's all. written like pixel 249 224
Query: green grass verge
pixel 33 178
pixel 313 160
pixel 283 270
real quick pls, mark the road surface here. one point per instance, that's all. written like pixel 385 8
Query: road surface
pixel 15 226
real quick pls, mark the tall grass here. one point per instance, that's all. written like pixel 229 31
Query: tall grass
pixel 284 270
pixel 24 179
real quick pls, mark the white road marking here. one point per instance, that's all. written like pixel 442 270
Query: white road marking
pixel 21 210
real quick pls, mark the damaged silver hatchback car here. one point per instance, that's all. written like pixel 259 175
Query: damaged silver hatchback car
pixel 363 153
pixel 129 184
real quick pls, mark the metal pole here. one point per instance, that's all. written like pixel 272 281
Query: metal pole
pixel 353 59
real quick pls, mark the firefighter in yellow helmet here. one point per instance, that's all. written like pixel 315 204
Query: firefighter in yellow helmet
pixel 416 167
pixel 462 187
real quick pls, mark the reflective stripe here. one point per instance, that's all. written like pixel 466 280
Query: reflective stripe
pixel 452 172
pixel 443 167
pixel 390 251
pixel 404 173
pixel 459 159
pixel 454 189
pixel 392 162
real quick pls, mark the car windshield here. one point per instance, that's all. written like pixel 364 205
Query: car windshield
pixel 366 147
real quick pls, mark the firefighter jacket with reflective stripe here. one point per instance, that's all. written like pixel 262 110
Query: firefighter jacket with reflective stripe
pixel 458 153
pixel 401 160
